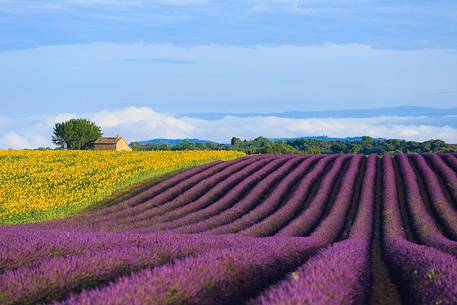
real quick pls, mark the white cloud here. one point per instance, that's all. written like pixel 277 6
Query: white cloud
pixel 137 123
pixel 13 140
pixel 21 140
pixel 132 115
pixel 141 123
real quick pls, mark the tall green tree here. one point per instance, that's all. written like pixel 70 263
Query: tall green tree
pixel 235 141
pixel 76 134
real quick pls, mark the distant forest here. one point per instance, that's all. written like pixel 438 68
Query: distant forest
pixel 262 145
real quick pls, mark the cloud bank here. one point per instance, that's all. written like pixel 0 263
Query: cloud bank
pixel 141 123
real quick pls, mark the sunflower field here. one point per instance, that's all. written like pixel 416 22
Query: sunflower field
pixel 40 185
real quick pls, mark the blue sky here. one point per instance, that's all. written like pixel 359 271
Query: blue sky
pixel 390 24
pixel 83 57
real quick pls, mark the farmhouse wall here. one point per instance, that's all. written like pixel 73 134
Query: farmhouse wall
pixel 105 147
pixel 122 145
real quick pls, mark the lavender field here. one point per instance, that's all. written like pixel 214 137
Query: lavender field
pixel 264 229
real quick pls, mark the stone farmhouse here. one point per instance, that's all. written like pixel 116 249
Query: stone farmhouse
pixel 113 143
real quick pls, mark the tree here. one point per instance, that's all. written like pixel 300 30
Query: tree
pixel 338 147
pixel 438 145
pixel 367 144
pixel 235 141
pixel 76 134
pixel 136 146
pixel 184 145
pixel 355 148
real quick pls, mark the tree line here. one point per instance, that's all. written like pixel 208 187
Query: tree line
pixel 262 145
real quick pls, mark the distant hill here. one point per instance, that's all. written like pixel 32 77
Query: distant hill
pixel 349 113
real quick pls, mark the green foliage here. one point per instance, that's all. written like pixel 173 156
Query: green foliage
pixel 235 141
pixel 262 145
pixel 368 145
pixel 76 134
pixel 184 145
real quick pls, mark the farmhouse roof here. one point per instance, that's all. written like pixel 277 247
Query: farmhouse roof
pixel 106 140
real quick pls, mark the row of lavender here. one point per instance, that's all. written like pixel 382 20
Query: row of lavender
pixel 42 265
